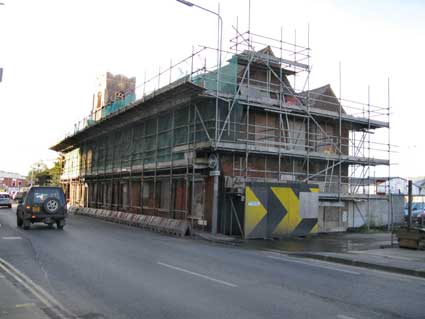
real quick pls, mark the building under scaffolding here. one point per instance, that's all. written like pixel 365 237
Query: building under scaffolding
pixel 235 149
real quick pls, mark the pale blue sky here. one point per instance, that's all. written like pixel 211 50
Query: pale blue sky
pixel 51 52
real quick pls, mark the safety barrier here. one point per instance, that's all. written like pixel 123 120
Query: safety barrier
pixel 154 223
pixel 277 210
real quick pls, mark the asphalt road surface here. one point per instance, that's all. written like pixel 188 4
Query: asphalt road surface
pixel 96 269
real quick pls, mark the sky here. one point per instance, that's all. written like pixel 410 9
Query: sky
pixel 51 52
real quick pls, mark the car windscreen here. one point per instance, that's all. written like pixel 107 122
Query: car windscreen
pixel 4 196
pixel 39 195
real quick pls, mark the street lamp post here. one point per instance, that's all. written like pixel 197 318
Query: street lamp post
pixel 219 33
pixel 219 50
pixel 216 171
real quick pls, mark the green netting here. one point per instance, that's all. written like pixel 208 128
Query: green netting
pixel 228 78
pixel 180 136
pixel 115 106
pixel 181 117
pixel 164 122
pixel 150 126
pixel 165 139
pixel 164 155
pixel 178 156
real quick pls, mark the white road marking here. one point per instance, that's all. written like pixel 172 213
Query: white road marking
pixel 315 265
pixel 25 305
pixel 36 290
pixel 39 297
pixel 11 237
pixel 197 274
pixel 344 317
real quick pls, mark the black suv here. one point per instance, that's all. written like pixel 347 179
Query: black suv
pixel 42 204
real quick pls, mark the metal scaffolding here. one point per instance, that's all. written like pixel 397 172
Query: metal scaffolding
pixel 151 155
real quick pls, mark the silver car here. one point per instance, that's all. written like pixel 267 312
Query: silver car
pixel 5 200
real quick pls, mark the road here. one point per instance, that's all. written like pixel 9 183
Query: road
pixel 97 269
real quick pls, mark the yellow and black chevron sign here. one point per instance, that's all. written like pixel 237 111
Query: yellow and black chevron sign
pixel 273 210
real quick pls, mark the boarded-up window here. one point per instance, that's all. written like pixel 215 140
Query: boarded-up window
pixel 179 187
pixel 135 195
pixel 148 194
pixel 163 194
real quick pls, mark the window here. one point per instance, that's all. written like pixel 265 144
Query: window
pixel 40 195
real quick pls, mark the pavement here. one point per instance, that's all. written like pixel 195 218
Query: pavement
pixel 96 269
pixel 397 260
pixel 375 250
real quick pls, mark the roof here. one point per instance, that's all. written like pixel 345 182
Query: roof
pixel 131 113
pixel 265 57
pixel 4 174
pixel 322 98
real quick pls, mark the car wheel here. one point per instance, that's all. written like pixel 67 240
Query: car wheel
pixel 19 221
pixel 26 224
pixel 60 224
pixel 51 205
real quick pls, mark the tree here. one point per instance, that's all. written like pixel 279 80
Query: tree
pixel 55 172
pixel 41 175
pixel 36 169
